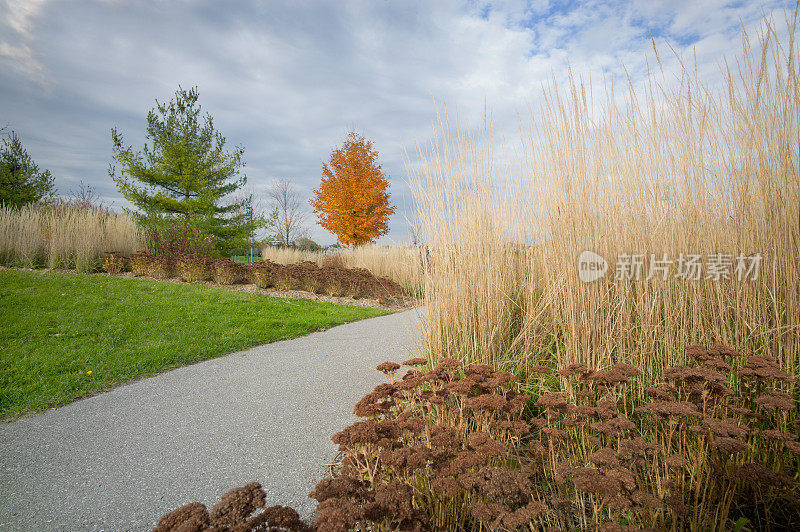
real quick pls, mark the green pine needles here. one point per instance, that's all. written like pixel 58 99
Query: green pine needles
pixel 184 173
pixel 21 181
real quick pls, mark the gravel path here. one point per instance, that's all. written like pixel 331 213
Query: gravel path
pixel 119 460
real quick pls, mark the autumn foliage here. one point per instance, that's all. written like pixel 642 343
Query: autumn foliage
pixel 352 200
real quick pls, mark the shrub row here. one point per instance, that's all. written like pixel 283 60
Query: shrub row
pixel 328 280
pixel 466 449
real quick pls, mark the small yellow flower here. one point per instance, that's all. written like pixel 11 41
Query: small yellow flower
pixel 89 372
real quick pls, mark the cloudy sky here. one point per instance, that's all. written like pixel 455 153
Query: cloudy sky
pixel 287 80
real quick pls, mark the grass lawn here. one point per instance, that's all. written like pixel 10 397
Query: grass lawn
pixel 245 259
pixel 64 336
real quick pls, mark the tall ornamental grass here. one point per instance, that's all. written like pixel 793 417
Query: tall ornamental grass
pixel 673 168
pixel 64 236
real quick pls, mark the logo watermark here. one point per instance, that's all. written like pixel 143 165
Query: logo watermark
pixel 591 266
pixel 686 266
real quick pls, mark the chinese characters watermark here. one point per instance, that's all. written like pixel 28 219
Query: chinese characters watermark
pixel 686 266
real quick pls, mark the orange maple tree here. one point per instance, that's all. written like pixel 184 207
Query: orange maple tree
pixel 352 200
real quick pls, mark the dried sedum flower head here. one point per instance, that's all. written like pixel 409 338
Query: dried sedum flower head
pixel 415 362
pixel 793 447
pixel 380 433
pixel 503 483
pixel 516 428
pixel 759 474
pixel 604 456
pixel 775 401
pixel 666 409
pixel 462 386
pixel 725 427
pixel 237 505
pixel 336 515
pixel 720 350
pixel 719 365
pixel 388 368
pixel 638 446
pixel 697 352
pixel 778 436
pixel 484 443
pixel 554 433
pixel 189 517
pixel 762 368
pixel 728 445
pixel 608 377
pixel 448 486
pixel 342 486
pixel 641 498
pixel 627 370
pixel 488 512
pixel 552 401
pixel 574 370
pixel 274 518
pixel 662 392
pixel 482 370
pixel 523 516
pixel 486 402
pixel 676 461
pixel 448 363
pixel 623 476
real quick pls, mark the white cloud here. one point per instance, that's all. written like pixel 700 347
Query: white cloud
pixel 21 13
pixel 20 57
pixel 14 48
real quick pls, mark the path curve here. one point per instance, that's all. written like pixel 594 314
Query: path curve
pixel 119 460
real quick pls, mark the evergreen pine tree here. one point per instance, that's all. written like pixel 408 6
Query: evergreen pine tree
pixel 185 173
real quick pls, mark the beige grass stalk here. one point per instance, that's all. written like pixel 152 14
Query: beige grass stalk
pixel 673 169
pixel 288 255
pixel 63 236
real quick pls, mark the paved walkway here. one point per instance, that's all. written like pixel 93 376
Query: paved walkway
pixel 119 460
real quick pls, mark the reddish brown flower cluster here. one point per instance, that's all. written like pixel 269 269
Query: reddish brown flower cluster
pixel 330 280
pixel 450 449
pixel 233 513
pixel 763 368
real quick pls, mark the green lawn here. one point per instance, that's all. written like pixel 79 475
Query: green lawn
pixel 64 336
pixel 246 258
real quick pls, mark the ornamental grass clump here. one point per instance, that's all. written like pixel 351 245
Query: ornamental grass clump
pixel 289 277
pixel 693 162
pixel 194 268
pixel 139 263
pixel 228 272
pixel 62 234
pixel 149 265
pixel 114 262
pixel 262 273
